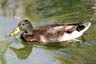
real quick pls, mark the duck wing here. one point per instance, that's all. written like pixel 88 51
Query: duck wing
pixel 54 31
pixel 53 28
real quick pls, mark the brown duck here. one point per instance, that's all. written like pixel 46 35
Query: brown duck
pixel 50 33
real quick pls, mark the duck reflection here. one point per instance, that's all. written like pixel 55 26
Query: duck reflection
pixel 23 53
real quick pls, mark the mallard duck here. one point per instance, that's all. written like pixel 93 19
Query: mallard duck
pixel 50 33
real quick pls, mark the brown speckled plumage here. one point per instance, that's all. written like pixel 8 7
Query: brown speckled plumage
pixel 49 33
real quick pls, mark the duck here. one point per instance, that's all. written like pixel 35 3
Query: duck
pixel 50 33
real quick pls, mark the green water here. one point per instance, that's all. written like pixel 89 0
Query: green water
pixel 42 12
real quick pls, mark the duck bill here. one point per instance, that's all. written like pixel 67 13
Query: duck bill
pixel 15 32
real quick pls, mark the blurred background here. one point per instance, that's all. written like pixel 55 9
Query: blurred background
pixel 41 12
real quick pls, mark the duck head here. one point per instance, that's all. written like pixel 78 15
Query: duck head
pixel 24 26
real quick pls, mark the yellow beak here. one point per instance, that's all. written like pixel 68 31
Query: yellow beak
pixel 15 32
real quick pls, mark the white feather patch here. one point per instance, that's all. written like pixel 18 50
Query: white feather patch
pixel 68 27
pixel 67 36
pixel 58 27
pixel 43 39
pixel 55 29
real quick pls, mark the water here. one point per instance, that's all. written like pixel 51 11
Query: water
pixel 42 12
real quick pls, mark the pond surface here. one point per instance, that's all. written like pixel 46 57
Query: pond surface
pixel 42 12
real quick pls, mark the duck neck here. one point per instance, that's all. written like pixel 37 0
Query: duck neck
pixel 29 30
